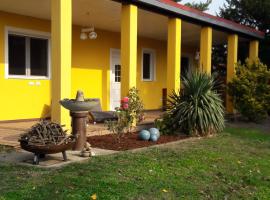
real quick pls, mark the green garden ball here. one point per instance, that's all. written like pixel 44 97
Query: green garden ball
pixel 154 138
pixel 144 135
pixel 154 131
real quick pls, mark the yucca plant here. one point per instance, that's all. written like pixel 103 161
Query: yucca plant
pixel 197 109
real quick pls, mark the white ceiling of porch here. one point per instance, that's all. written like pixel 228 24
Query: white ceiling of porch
pixel 105 14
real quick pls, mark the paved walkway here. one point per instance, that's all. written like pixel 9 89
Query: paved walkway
pixel 263 126
pixel 56 160
pixel 50 161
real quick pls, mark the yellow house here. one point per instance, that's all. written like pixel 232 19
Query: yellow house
pixel 51 48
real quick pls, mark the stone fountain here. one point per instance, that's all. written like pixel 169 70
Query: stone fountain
pixel 79 109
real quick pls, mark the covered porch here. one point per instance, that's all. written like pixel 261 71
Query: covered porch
pixel 136 30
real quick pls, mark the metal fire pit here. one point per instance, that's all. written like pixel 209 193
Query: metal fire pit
pixel 46 137
pixel 41 151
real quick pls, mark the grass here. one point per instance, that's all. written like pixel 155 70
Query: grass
pixel 4 149
pixel 234 165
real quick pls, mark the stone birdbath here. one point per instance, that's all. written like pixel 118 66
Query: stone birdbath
pixel 79 109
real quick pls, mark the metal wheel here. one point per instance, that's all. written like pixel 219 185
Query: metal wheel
pixel 36 159
pixel 64 155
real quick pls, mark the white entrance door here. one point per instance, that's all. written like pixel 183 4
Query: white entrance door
pixel 115 79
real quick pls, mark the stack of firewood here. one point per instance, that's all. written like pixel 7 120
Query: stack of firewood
pixel 46 133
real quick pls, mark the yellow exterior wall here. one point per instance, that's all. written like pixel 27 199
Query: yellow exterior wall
pixel 151 91
pixel 91 65
pixel 18 99
pixel 90 71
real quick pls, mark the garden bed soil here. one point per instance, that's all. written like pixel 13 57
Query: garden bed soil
pixel 129 141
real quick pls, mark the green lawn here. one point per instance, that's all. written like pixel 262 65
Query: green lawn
pixel 234 165
pixel 4 149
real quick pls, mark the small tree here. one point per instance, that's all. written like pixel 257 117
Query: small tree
pixel 250 90
pixel 253 13
pixel 202 6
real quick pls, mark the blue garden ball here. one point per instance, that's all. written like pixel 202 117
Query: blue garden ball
pixel 153 138
pixel 144 135
pixel 154 131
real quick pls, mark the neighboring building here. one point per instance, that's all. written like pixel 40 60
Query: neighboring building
pixel 46 55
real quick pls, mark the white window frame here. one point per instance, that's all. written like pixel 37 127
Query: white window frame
pixel 152 53
pixel 26 33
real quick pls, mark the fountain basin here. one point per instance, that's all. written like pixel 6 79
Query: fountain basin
pixel 78 106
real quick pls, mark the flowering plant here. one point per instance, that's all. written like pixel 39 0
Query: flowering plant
pixel 124 103
pixel 129 113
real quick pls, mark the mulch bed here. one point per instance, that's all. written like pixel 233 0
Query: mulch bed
pixel 129 141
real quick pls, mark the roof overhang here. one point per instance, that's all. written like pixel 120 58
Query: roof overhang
pixel 172 9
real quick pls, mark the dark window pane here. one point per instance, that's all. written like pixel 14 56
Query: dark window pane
pixel 16 55
pixel 117 73
pixel 146 66
pixel 184 66
pixel 243 51
pixel 39 57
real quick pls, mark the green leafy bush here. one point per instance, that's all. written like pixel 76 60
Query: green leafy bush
pixel 135 106
pixel 197 109
pixel 250 90
pixel 165 124
pixel 129 113
pixel 121 126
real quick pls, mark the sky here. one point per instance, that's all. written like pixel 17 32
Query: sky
pixel 214 7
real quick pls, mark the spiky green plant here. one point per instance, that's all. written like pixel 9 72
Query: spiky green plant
pixel 198 108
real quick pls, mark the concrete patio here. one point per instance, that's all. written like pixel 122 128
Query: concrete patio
pixel 50 161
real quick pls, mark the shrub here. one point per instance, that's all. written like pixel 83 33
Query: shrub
pixel 129 113
pixel 250 90
pixel 197 109
pixel 119 127
pixel 135 106
pixel 165 124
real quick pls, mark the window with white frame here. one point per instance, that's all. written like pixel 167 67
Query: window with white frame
pixel 28 56
pixel 148 65
pixel 117 73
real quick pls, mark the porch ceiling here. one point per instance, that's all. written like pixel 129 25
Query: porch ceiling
pixel 105 14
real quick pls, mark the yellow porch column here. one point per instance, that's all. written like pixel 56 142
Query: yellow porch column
pixel 129 18
pixel 254 49
pixel 61 28
pixel 174 55
pixel 231 62
pixel 206 49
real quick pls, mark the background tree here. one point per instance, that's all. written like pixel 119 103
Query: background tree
pixel 253 13
pixel 202 6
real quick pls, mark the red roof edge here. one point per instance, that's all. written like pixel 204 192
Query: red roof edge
pixel 193 10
